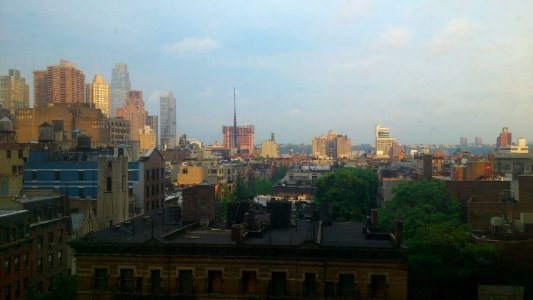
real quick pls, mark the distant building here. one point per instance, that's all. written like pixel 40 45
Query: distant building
pixel 332 145
pixel 12 157
pixel 504 139
pixel 463 141
pixel 167 114
pixel 478 141
pixel 120 88
pixel 153 122
pixel 98 94
pixel 148 138
pixel 135 113
pixel 384 141
pixel 269 149
pixel 14 92
pixel 245 138
pixel 520 148
pixel 61 83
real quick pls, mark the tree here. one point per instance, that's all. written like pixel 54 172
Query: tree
pixel 350 192
pixel 441 254
pixel 64 287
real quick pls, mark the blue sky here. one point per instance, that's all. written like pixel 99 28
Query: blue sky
pixel 432 71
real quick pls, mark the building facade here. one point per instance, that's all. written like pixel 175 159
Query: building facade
pixel 147 138
pixel 384 141
pixel 120 88
pixel 134 112
pixel 98 94
pixel 62 83
pixel 153 122
pixel 245 138
pixel 332 145
pixel 167 114
pixel 14 92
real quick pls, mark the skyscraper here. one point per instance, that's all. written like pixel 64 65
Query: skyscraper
pixel 167 115
pixel 135 113
pixel 478 141
pixel 120 88
pixel 383 141
pixel 463 141
pixel 98 94
pixel 14 92
pixel 61 83
pixel 504 139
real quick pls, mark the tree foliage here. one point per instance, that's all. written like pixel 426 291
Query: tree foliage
pixel 64 287
pixel 441 254
pixel 350 192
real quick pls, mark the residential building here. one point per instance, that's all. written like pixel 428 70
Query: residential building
pixel 478 141
pixel 14 92
pixel 332 145
pixel 245 138
pixel 98 94
pixel 463 141
pixel 154 256
pixel 189 174
pixel 504 139
pixel 119 132
pixel 167 115
pixel 520 148
pixel 135 113
pixel 269 149
pixel 119 89
pixel 148 138
pixel 150 193
pixel 153 122
pixel 384 141
pixel 16 253
pixel 12 155
pixel 62 83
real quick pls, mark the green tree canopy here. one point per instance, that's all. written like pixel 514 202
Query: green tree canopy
pixel 350 192
pixel 443 261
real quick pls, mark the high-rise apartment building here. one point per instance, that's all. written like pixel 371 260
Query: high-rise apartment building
pixel 120 88
pixel 463 141
pixel 98 94
pixel 478 141
pixel 135 113
pixel 14 92
pixel 153 122
pixel 167 115
pixel 332 145
pixel 269 149
pixel 148 138
pixel 245 138
pixel 504 139
pixel 384 141
pixel 61 83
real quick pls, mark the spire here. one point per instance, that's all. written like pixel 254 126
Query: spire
pixel 235 131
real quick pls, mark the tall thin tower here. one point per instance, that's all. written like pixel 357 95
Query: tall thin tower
pixel 235 130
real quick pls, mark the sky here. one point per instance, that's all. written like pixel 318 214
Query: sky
pixel 430 70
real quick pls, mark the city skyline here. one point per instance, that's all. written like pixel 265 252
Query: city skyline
pixel 424 69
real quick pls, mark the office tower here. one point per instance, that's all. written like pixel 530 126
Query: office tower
pixel 61 83
pixel 153 122
pixel 167 114
pixel 332 145
pixel 244 140
pixel 120 87
pixel 478 141
pixel 504 139
pixel 98 94
pixel 135 113
pixel 14 92
pixel 384 141
pixel 463 141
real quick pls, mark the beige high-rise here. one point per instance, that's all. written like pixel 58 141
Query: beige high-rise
pixel 383 141
pixel 98 94
pixel 61 83
pixel 14 92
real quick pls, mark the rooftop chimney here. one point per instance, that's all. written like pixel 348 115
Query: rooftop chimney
pixel 398 230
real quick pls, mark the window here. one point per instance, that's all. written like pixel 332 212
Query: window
pixel 249 282
pixel 8 154
pixel 60 257
pixel 50 237
pixel 329 290
pixel 346 285
pixel 147 175
pixel 126 280
pixel 21 154
pixel 60 235
pixel 378 286
pixel 80 175
pixel 40 264
pixel 81 192
pixel 17 289
pixel 215 281
pixel 309 284
pixel 26 262
pixel 155 280
pixel 39 242
pixel 17 263
pixel 50 261
pixel 7 291
pixel 139 284
pixel 100 278
pixel 56 175
pixel 185 281
pixel 278 284
pixel 109 184
pixel 33 175
pixel 147 191
pixel 7 265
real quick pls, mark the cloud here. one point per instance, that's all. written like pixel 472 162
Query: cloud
pixel 396 37
pixel 453 36
pixel 350 11
pixel 293 112
pixel 191 46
